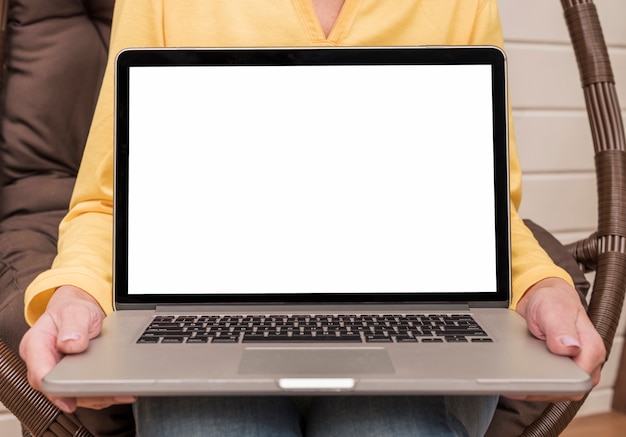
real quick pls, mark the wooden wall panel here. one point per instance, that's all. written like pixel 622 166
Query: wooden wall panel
pixel 9 425
pixel 560 202
pixel 553 141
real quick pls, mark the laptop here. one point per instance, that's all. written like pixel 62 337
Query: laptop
pixel 312 221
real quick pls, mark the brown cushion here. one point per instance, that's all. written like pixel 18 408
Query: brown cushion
pixel 561 257
pixel 56 55
pixel 27 247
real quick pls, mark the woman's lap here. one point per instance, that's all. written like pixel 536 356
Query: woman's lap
pixel 358 416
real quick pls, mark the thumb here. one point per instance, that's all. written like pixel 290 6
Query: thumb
pixel 560 333
pixel 77 324
pixel 72 339
pixel 552 310
pixel 566 344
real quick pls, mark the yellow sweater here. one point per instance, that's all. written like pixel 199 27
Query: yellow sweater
pixel 85 241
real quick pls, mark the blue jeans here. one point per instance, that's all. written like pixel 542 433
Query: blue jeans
pixel 327 416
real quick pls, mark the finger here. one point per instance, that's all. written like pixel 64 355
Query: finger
pixel 546 398
pixel 76 324
pixel 98 403
pixel 564 343
pixel 551 309
pixel 593 353
pixel 67 405
pixel 38 349
pixel 560 330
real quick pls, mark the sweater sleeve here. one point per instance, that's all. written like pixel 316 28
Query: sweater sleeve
pixel 529 262
pixel 85 243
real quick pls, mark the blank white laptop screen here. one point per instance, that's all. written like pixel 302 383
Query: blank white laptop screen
pixel 311 179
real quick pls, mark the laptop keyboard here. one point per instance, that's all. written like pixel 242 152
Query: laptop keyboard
pixel 411 328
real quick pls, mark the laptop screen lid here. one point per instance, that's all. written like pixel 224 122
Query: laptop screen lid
pixel 311 175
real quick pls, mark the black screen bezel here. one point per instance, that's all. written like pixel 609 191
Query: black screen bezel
pixel 492 56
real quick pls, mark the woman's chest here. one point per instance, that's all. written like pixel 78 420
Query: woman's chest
pixel 224 23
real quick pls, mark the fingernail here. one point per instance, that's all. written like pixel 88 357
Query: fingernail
pixel 62 405
pixel 569 341
pixel 69 336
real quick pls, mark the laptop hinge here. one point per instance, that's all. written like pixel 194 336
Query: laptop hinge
pixel 313 308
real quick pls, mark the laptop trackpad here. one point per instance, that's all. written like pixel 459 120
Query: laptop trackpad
pixel 316 361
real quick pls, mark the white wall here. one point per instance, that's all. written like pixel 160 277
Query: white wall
pixel 552 130
pixel 9 426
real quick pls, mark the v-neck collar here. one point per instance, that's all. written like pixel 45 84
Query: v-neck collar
pixel 314 28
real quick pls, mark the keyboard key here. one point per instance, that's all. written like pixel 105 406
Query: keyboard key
pixel 405 339
pixel 198 340
pixel 173 340
pixel 377 338
pixel 226 339
pixel 301 339
pixel 456 339
pixel 432 340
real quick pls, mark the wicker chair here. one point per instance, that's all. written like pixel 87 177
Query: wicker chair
pixel 604 251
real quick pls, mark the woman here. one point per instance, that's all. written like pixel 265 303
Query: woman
pixel 66 305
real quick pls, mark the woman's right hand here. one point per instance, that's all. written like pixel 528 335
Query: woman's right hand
pixel 72 318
